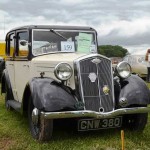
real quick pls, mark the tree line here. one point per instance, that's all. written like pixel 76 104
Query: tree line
pixel 112 51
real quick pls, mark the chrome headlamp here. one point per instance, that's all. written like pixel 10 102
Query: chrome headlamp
pixel 123 69
pixel 63 71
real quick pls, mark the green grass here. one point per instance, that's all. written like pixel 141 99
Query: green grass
pixel 14 135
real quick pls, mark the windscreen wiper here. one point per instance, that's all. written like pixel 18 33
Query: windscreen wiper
pixel 53 31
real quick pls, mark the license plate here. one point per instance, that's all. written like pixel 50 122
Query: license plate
pixel 95 124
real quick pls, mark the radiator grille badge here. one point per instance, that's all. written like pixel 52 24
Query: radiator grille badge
pixel 79 105
pixel 106 89
pixel 123 102
pixel 92 76
pixel 96 61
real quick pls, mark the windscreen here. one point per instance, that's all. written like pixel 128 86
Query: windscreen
pixel 47 41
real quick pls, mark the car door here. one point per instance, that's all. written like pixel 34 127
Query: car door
pixel 10 50
pixel 21 63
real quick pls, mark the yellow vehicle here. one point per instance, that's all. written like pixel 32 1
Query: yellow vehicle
pixel 2 49
pixel 2 56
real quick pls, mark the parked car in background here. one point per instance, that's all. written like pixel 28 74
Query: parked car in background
pixel 55 72
pixel 138 64
pixel 115 61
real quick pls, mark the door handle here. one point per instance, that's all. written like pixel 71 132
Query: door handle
pixel 11 64
pixel 25 65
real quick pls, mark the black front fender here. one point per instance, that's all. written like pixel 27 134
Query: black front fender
pixel 48 96
pixel 135 91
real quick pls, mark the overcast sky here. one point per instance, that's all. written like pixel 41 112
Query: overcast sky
pixel 118 22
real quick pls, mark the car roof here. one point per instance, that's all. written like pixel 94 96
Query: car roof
pixel 54 27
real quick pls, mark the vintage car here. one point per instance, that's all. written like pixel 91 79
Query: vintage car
pixel 55 72
pixel 138 65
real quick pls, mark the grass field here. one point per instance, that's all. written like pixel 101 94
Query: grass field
pixel 14 135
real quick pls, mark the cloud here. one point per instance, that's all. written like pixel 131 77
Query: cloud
pixel 128 33
pixel 138 49
pixel 118 22
pixel 4 1
pixel 127 28
pixel 68 2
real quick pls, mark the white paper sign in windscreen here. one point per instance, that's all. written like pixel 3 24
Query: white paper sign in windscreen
pixel 67 46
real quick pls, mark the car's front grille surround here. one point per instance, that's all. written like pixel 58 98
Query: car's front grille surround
pixel 92 93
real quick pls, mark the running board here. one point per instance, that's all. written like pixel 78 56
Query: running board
pixel 14 104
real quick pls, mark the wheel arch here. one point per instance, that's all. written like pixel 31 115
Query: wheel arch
pixel 135 91
pixel 47 96
pixel 5 81
pixel 25 100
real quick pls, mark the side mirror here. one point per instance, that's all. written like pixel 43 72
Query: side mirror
pixel 23 42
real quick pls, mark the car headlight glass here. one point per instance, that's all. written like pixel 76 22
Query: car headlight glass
pixel 63 71
pixel 123 69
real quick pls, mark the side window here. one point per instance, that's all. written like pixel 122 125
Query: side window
pixel 22 49
pixel 10 45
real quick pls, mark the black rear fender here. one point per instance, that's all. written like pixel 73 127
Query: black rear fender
pixel 5 81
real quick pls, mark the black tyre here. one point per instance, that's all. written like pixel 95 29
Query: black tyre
pixel 42 131
pixel 135 122
pixel 7 97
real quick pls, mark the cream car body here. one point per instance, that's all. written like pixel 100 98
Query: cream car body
pixel 33 68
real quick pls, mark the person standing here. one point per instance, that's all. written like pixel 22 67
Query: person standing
pixel 147 58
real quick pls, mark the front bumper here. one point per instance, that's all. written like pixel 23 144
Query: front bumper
pixel 93 114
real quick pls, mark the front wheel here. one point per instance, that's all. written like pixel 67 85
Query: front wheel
pixel 135 122
pixel 41 131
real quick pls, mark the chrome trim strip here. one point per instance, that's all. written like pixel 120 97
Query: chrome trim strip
pixel 100 100
pixel 113 90
pixel 93 114
pixel 69 30
pixel 79 77
pixel 92 55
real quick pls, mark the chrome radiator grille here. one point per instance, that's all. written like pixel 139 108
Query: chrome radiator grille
pixel 93 78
